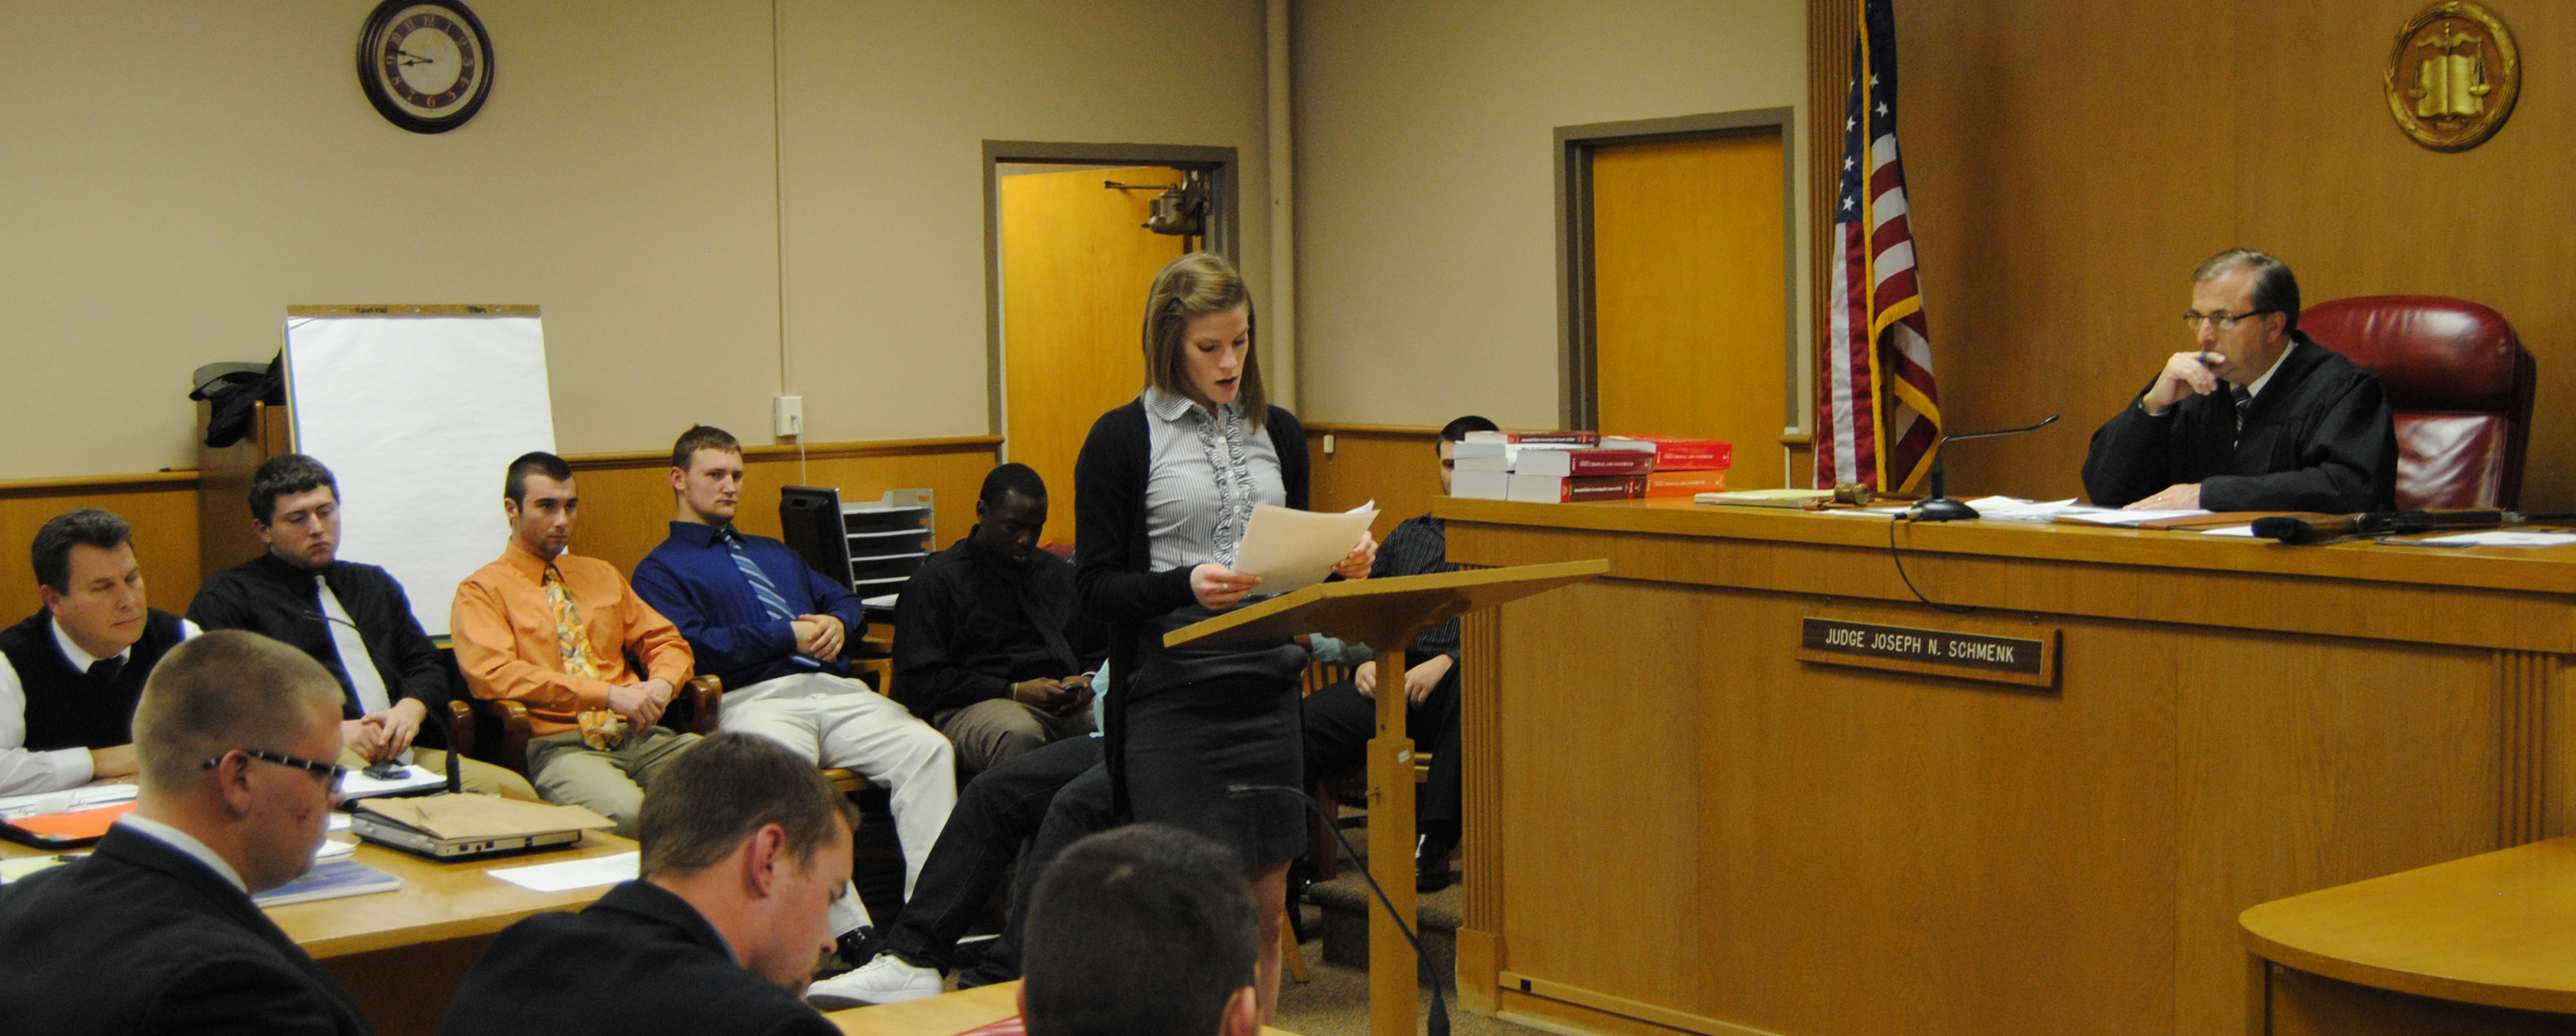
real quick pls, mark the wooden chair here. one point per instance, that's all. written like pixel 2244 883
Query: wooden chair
pixel 1322 848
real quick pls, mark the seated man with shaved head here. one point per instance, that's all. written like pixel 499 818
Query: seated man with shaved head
pixel 155 932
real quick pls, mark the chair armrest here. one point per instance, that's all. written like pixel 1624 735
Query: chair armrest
pixel 706 704
pixel 513 719
pixel 460 727
pixel 846 780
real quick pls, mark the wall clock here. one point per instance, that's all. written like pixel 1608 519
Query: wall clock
pixel 427 66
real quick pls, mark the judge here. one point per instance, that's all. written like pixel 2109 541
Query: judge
pixel 2258 417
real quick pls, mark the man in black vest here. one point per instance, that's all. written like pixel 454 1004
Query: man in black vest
pixel 2258 417
pixel 744 847
pixel 70 674
pixel 352 618
pixel 156 932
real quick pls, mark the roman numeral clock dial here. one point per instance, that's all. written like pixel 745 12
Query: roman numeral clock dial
pixel 427 67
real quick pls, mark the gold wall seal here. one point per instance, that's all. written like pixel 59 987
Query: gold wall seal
pixel 2453 76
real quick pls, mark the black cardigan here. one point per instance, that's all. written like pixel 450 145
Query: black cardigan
pixel 1112 549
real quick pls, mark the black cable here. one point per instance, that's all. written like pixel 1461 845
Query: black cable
pixel 1899 558
pixel 1438 1024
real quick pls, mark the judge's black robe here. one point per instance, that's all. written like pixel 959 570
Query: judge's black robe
pixel 2319 437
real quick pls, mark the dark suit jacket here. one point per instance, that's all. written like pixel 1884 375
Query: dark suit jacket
pixel 142 938
pixel 2321 437
pixel 638 962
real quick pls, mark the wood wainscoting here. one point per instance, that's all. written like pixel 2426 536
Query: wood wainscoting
pixel 1394 465
pixel 626 504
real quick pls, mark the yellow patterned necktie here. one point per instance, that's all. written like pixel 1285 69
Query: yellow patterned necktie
pixel 600 728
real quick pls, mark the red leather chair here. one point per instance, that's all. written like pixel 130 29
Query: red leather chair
pixel 2460 383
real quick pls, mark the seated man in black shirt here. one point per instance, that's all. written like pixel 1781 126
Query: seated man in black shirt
pixel 352 618
pixel 2258 418
pixel 70 674
pixel 1341 718
pixel 745 846
pixel 988 645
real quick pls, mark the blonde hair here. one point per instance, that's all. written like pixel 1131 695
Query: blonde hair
pixel 1193 286
pixel 225 690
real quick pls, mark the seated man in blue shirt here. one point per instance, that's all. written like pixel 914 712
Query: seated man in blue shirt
pixel 773 629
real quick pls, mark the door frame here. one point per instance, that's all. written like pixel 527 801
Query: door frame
pixel 1579 403
pixel 1224 230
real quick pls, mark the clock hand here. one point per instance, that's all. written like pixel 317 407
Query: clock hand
pixel 415 59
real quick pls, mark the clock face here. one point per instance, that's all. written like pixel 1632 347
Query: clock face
pixel 426 66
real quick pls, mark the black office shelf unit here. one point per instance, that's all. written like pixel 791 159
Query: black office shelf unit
pixel 874 546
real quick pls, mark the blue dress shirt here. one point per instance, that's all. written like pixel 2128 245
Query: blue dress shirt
pixel 691 579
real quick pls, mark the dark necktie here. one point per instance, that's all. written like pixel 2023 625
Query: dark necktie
pixel 2244 400
pixel 104 670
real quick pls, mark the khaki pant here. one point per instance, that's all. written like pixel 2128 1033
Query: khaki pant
pixel 610 783
pixel 996 731
pixel 475 774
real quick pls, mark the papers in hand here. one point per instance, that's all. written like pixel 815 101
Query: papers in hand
pixel 1292 550
pixel 572 874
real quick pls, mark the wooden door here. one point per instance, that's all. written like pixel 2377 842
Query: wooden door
pixel 1689 288
pixel 1076 264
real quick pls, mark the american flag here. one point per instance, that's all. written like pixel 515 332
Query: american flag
pixel 1881 413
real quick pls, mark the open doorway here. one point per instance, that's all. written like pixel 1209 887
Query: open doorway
pixel 1077 235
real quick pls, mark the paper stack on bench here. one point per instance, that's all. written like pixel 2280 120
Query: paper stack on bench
pixel 1565 467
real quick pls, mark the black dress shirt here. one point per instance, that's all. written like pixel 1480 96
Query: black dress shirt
pixel 1420 547
pixel 279 601
pixel 972 622
pixel 640 961
pixel 139 937
pixel 2320 437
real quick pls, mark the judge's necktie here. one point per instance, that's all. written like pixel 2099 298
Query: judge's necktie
pixel 600 728
pixel 2243 400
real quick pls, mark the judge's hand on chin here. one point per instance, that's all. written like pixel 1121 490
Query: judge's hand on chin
pixel 2174 498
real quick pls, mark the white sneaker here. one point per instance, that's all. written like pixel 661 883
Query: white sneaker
pixel 885 980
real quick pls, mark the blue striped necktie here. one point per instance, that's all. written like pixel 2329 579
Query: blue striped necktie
pixel 761 587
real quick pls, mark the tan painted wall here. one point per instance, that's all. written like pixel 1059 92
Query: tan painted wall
pixel 179 173
pixel 1426 185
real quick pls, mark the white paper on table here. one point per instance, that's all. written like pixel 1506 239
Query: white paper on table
pixel 332 849
pixel 2502 538
pixel 88 796
pixel 572 874
pixel 339 822
pixel 1292 549
pixel 414 778
pixel 2115 516
pixel 2246 531
pixel 2012 509
pixel 1870 512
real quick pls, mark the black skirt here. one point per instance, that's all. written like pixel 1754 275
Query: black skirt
pixel 1202 721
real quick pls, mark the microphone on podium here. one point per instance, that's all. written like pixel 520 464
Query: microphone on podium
pixel 1939 507
pixel 1438 1024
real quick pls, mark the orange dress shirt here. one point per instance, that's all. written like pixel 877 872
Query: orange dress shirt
pixel 504 630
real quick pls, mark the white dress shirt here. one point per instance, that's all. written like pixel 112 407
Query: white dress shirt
pixel 24 771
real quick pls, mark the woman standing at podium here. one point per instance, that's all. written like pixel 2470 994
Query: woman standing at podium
pixel 1164 491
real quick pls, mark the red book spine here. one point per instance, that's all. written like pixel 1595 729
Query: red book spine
pixel 1614 487
pixel 1693 454
pixel 1608 462
pixel 1685 483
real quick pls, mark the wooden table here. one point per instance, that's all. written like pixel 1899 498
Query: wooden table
pixel 1673 819
pixel 2481 945
pixel 946 1014
pixel 401 954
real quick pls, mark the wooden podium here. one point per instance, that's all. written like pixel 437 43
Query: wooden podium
pixel 1387 614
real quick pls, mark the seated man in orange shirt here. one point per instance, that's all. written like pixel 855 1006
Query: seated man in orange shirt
pixel 555 632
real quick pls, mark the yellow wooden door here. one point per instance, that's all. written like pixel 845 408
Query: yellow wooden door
pixel 1689 286
pixel 1076 264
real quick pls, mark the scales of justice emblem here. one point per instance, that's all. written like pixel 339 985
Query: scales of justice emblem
pixel 2453 76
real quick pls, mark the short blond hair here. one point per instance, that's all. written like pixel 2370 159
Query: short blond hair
pixel 1190 287
pixel 221 691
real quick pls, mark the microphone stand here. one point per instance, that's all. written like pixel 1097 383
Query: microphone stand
pixel 1438 1024
pixel 455 777
pixel 1939 507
